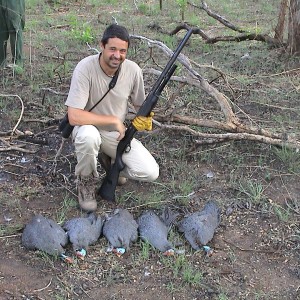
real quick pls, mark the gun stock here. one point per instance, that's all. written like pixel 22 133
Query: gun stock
pixel 109 184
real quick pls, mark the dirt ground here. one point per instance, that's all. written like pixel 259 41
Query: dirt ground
pixel 256 246
pixel 256 256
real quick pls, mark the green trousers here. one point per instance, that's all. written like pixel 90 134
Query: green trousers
pixel 12 22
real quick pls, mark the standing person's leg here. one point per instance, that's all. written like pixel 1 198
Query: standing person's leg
pixel 87 143
pixel 4 35
pixel 140 164
pixel 16 43
pixel 16 23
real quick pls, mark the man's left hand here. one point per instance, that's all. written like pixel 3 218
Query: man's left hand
pixel 143 123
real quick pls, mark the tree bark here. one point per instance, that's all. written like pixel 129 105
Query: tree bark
pixel 294 28
pixel 281 20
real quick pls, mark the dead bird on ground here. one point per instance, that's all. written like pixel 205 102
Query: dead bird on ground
pixel 154 229
pixel 199 227
pixel 120 229
pixel 83 232
pixel 46 235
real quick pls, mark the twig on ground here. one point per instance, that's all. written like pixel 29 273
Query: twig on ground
pixel 10 236
pixel 15 148
pixel 22 110
pixel 39 290
pixel 58 153
pixel 54 92
pixel 148 203
pixel 250 249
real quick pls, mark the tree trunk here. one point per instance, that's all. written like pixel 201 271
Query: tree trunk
pixel 294 27
pixel 281 20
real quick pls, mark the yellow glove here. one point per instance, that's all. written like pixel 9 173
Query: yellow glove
pixel 143 123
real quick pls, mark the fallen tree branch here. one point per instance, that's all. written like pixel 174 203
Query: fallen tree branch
pixel 199 81
pixel 10 147
pixel 239 38
pixel 217 17
pixel 246 35
pixel 16 148
pixel 236 130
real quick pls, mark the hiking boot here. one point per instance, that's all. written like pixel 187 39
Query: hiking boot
pixel 86 188
pixel 105 162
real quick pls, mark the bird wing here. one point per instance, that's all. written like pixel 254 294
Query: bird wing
pixel 192 237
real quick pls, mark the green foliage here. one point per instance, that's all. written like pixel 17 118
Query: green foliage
pixel 147 9
pixel 9 229
pixel 254 190
pixel 67 205
pixel 282 213
pixel 31 4
pixel 191 276
pixel 169 41
pixel 85 35
pixel 222 296
pixel 145 250
pixel 182 5
pixel 290 158
pixel 82 32
pixel 183 269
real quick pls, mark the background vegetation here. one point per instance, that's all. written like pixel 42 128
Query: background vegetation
pixel 256 185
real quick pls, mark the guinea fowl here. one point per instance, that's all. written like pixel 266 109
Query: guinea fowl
pixel 46 235
pixel 120 229
pixel 83 232
pixel 199 227
pixel 154 229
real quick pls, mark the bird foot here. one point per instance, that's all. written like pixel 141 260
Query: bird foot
pixel 66 258
pixel 209 251
pixel 169 252
pixel 80 253
pixel 119 251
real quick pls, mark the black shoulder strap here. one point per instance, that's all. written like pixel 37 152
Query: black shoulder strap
pixel 114 79
pixel 110 86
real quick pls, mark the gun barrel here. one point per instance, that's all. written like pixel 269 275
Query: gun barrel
pixel 172 59
pixel 152 98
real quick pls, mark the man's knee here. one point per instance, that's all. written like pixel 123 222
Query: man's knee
pixel 88 136
pixel 154 174
pixel 151 173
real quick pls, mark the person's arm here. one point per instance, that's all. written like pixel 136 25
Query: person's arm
pixel 108 122
pixel 138 92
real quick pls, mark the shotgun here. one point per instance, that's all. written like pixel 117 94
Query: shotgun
pixel 109 184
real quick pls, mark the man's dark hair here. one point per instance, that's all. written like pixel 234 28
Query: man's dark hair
pixel 115 31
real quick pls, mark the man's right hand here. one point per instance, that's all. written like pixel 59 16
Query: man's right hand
pixel 121 129
pixel 83 117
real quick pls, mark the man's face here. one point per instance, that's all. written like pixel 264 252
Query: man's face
pixel 114 52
